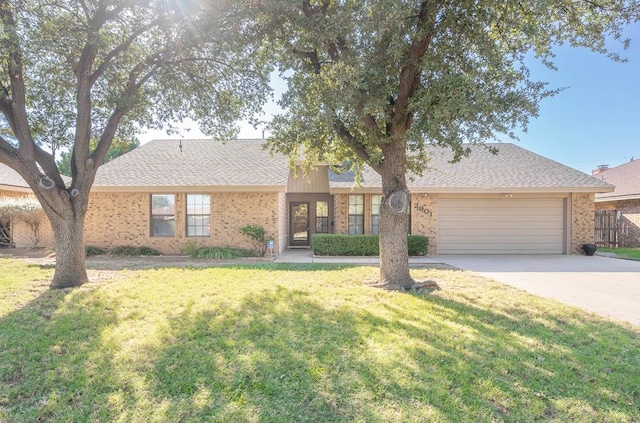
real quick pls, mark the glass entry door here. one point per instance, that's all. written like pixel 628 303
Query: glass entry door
pixel 299 224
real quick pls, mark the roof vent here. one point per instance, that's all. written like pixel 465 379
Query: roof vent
pixel 599 169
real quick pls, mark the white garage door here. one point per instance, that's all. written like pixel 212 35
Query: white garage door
pixel 501 226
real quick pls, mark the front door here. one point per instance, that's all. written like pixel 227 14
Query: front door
pixel 299 225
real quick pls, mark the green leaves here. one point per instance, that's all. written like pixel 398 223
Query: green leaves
pixel 352 62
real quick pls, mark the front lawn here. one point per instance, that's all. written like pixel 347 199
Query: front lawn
pixel 307 343
pixel 628 253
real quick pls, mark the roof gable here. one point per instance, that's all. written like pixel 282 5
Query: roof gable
pixel 246 165
pixel 11 178
pixel 626 179
pixel 512 168
pixel 195 163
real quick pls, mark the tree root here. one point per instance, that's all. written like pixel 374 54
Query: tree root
pixel 416 286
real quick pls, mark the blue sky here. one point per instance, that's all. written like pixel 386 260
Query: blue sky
pixel 594 120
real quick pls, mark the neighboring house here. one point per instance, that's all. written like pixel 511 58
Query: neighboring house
pixel 14 231
pixel 625 200
pixel 168 193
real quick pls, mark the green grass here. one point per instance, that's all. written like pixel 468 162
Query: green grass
pixel 628 253
pixel 307 343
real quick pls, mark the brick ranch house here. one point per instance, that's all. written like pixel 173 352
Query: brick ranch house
pixel 625 200
pixel 168 193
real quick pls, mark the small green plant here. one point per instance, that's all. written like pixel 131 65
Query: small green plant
pixel 130 251
pixel 90 250
pixel 190 249
pixel 259 235
pixel 221 253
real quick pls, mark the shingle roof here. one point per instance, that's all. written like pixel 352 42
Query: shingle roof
pixel 512 168
pixel 626 179
pixel 201 163
pixel 10 177
pixel 244 163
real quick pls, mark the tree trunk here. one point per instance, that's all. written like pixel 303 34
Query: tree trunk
pixel 394 254
pixel 68 231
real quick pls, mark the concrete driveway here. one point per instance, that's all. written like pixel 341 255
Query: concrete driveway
pixel 604 285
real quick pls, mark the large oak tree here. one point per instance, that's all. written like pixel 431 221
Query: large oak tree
pixel 374 81
pixel 76 70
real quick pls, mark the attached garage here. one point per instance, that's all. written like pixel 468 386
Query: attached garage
pixel 504 225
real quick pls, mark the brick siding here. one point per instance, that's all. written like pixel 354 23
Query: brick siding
pixel 582 221
pixel 424 218
pixel 118 219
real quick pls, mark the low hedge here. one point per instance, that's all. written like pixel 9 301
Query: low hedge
pixel 131 251
pixel 220 253
pixel 361 245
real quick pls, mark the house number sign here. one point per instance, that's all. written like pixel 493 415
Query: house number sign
pixel 422 209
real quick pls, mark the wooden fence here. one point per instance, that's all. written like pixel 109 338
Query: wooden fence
pixel 606 228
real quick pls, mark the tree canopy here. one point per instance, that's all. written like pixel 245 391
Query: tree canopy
pixel 72 71
pixel 375 81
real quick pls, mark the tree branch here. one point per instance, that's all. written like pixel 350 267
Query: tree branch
pixel 353 143
pixel 410 74
pixel 8 153
pixel 120 48
pixel 312 56
pixel 17 95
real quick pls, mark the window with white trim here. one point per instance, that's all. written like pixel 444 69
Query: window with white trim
pixel 198 215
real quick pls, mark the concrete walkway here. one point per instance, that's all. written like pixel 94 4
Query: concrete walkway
pixel 604 285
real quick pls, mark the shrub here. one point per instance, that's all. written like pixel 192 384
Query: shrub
pixel 345 245
pixel 220 253
pixel 259 235
pixel 90 250
pixel 361 245
pixel 190 249
pixel 130 251
pixel 418 245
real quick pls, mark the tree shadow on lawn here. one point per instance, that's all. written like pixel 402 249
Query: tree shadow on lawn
pixel 52 355
pixel 283 355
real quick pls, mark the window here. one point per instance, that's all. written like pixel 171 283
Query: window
pixel 356 214
pixel 375 214
pixel 198 215
pixel 322 217
pixel 163 215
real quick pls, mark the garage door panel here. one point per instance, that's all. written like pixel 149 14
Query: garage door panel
pixel 501 226
pixel 475 249
pixel 463 213
pixel 454 221
pixel 509 239
pixel 494 203
pixel 475 232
